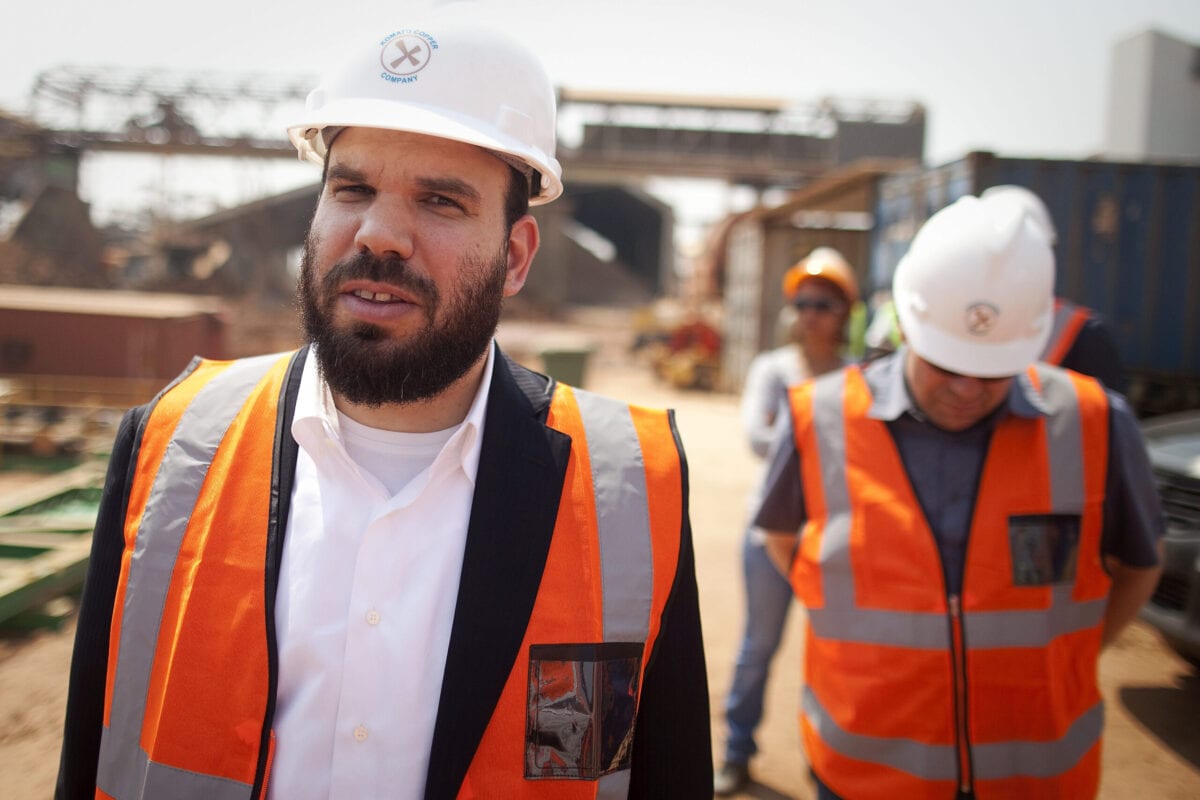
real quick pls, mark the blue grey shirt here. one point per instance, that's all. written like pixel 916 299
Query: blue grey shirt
pixel 944 468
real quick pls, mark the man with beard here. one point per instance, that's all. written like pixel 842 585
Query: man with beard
pixel 395 563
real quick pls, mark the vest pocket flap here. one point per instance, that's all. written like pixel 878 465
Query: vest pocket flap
pixel 581 707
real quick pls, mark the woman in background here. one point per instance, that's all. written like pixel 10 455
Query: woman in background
pixel 821 292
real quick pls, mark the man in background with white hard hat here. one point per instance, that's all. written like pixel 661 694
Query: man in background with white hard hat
pixel 973 528
pixel 1079 339
pixel 395 563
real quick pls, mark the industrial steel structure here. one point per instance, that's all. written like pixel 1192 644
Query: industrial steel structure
pixel 605 136
pixel 610 143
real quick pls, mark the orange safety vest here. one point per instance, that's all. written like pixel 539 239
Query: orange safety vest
pixel 1068 320
pixel 909 691
pixel 186 707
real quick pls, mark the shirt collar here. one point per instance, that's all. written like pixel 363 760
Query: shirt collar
pixel 316 416
pixel 891 399
pixel 471 430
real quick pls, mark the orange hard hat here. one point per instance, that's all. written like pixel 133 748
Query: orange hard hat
pixel 824 262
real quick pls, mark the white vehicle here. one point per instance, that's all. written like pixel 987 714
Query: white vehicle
pixel 1173 442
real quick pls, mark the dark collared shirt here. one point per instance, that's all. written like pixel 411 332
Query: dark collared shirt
pixel 944 469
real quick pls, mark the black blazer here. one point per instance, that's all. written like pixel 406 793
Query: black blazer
pixel 521 470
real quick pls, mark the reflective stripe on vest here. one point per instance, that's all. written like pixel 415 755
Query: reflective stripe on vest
pixel 1066 323
pixel 622 516
pixel 940 762
pixel 623 522
pixel 837 618
pixel 125 769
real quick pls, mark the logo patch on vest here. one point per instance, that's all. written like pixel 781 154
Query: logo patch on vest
pixel 1044 548
pixel 581 707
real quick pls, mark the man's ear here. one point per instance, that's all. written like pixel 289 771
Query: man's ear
pixel 523 242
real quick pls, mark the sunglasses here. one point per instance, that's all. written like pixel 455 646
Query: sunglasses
pixel 820 306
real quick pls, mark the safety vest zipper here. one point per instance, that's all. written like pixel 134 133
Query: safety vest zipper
pixel 958 657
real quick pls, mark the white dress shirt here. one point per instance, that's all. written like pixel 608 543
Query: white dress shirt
pixel 366 600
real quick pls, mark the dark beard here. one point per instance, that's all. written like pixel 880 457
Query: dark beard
pixel 362 365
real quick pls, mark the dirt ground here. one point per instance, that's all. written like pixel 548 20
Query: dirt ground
pixel 1152 730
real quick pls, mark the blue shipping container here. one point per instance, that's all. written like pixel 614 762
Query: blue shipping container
pixel 1128 243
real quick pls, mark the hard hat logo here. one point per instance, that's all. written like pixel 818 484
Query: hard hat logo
pixel 973 293
pixel 407 53
pixel 483 88
pixel 981 318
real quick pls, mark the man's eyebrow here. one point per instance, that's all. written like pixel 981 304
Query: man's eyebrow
pixel 451 186
pixel 341 172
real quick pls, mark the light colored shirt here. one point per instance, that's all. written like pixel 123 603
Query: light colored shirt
pixel 765 407
pixel 366 600
pixel 764 398
pixel 392 457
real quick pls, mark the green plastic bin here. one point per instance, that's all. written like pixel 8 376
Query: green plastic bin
pixel 566 364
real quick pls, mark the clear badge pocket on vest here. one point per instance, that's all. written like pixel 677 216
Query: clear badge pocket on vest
pixel 581 707
pixel 1044 548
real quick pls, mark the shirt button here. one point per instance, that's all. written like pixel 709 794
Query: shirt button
pixel 360 733
pixel 373 617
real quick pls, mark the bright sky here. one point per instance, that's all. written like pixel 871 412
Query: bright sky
pixel 1020 77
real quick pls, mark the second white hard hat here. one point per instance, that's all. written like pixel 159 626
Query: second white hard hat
pixel 975 292
pixel 451 78
pixel 1033 205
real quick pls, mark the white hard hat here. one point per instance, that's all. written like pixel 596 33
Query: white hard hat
pixel 1033 205
pixel 975 292
pixel 452 78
